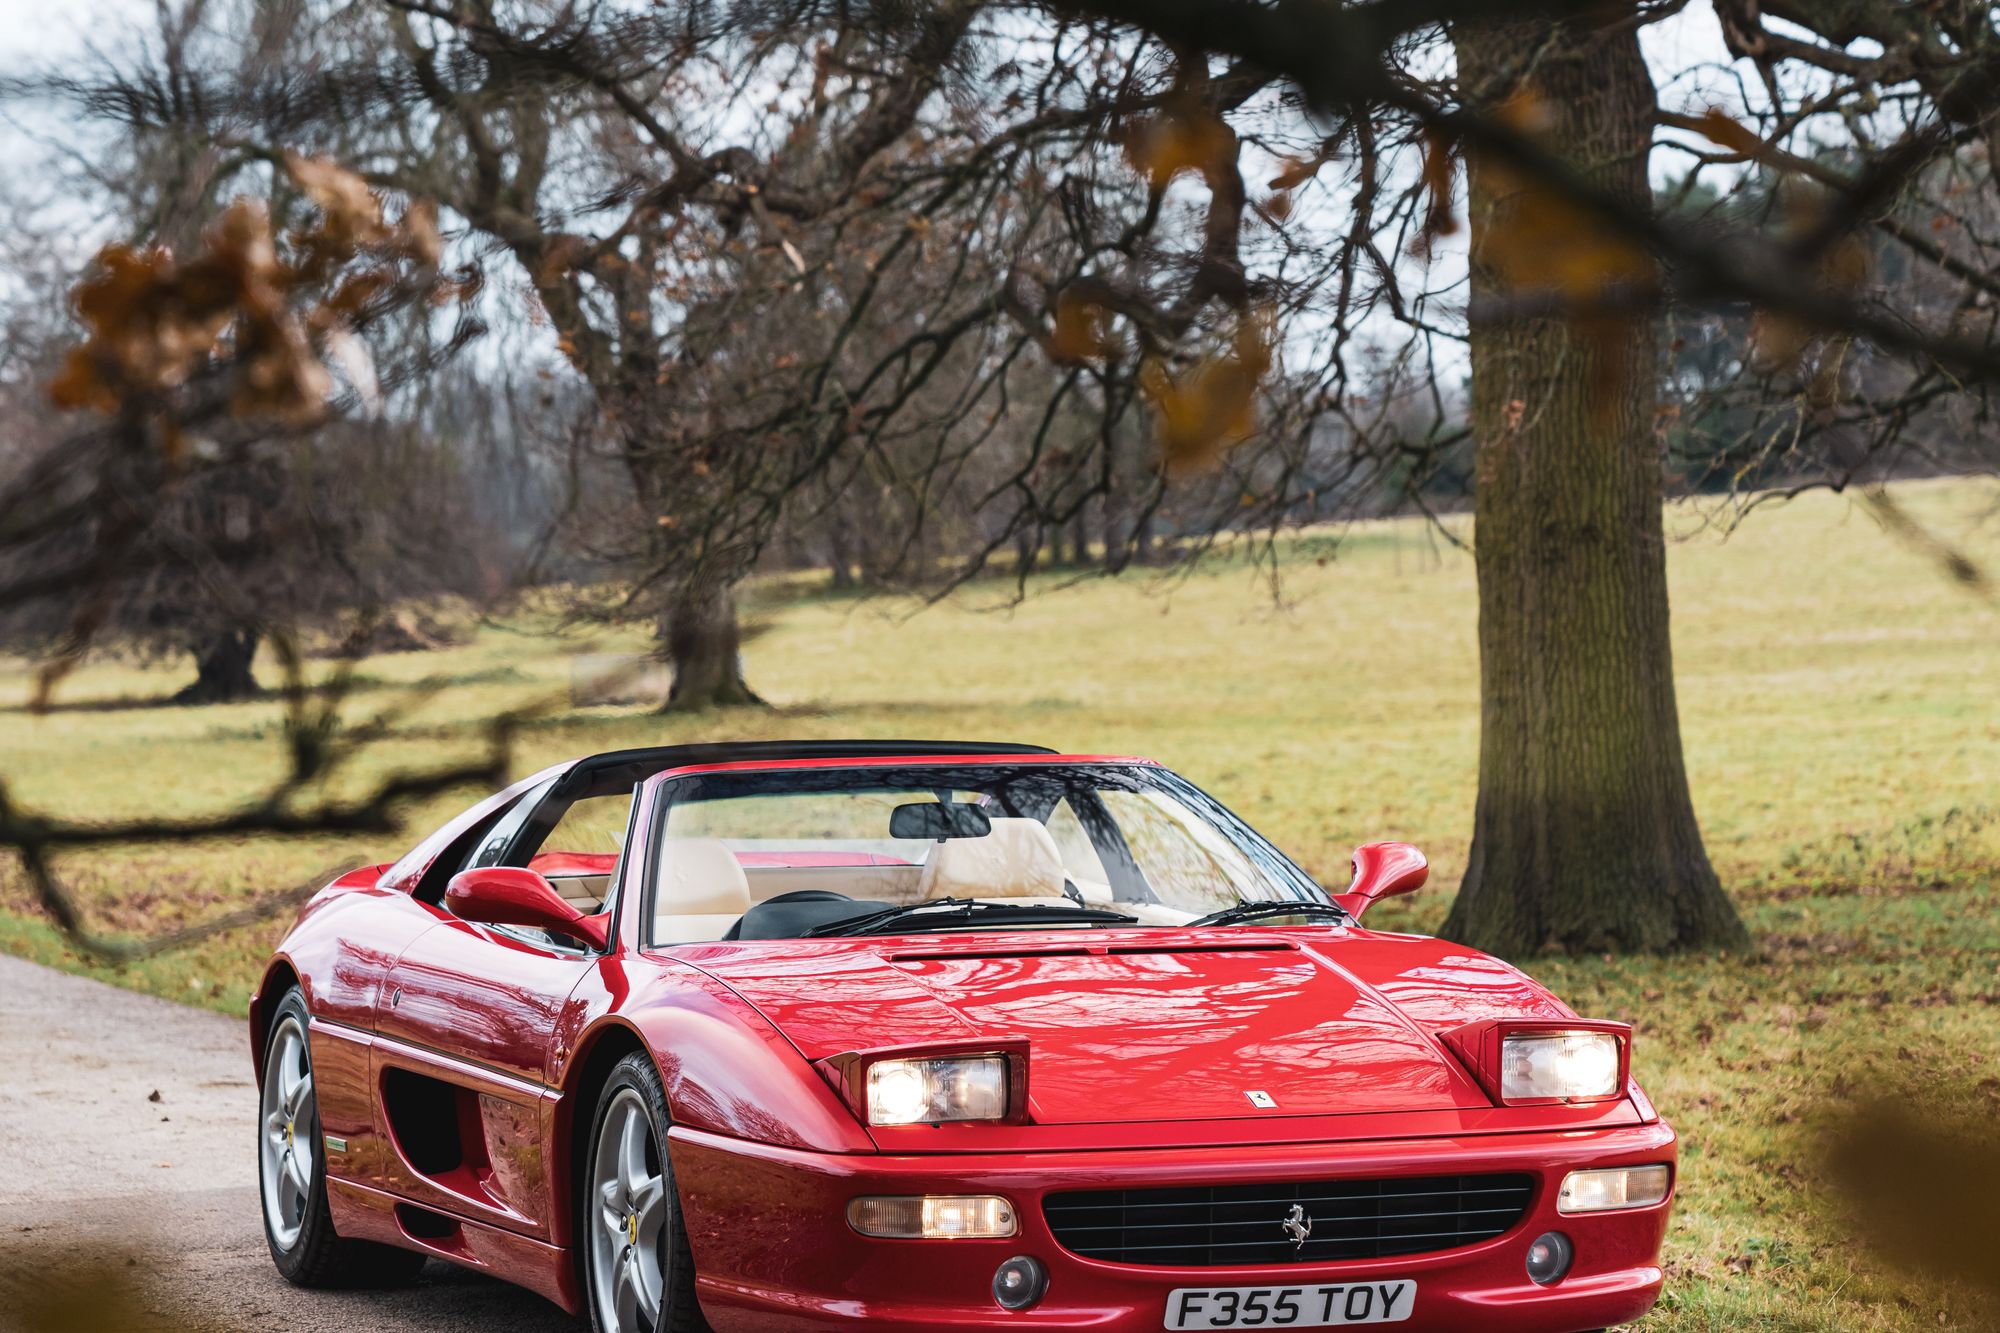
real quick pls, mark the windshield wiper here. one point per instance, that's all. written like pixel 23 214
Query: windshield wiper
pixel 1256 909
pixel 958 911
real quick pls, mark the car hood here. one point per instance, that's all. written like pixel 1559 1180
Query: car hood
pixel 1139 1031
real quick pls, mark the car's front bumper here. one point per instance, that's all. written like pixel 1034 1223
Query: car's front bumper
pixel 774 1251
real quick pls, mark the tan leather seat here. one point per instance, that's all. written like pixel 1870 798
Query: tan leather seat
pixel 586 891
pixel 1018 859
pixel 702 893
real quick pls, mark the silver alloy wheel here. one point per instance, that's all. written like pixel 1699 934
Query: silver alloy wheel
pixel 630 1194
pixel 286 1160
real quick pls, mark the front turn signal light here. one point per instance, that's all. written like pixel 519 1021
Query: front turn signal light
pixel 933 1216
pixel 1606 1190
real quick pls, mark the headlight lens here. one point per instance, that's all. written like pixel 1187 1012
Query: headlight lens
pixel 919 1092
pixel 1567 1065
pixel 932 1216
pixel 1616 1187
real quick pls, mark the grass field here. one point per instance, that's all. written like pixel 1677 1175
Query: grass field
pixel 1841 708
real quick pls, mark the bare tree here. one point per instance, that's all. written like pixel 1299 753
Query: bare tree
pixel 789 245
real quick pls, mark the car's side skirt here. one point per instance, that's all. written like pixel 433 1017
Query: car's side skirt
pixel 361 1213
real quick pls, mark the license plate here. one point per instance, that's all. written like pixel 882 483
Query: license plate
pixel 1328 1305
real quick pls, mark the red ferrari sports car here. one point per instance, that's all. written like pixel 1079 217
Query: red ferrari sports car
pixel 933 1036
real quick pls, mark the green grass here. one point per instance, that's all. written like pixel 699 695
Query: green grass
pixel 1841 709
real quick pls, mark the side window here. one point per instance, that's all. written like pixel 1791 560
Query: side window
pixel 578 853
pixel 594 826
pixel 492 848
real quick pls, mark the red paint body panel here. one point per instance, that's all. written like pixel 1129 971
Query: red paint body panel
pixel 726 1070
pixel 1190 1023
pixel 366 1214
pixel 481 996
pixel 1383 870
pixel 759 1221
pixel 517 896
pixel 1141 1045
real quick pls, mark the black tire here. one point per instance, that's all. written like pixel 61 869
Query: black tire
pixel 318 1256
pixel 679 1311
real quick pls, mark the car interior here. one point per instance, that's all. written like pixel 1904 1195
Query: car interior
pixel 709 890
pixel 1030 845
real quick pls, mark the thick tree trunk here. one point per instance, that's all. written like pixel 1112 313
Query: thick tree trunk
pixel 223 669
pixel 704 647
pixel 1584 837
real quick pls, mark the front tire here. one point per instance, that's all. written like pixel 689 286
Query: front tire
pixel 291 1173
pixel 638 1269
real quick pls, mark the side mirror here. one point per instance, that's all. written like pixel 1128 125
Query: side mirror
pixel 511 896
pixel 1383 870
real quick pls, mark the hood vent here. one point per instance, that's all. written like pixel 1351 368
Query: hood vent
pixel 1275 946
pixel 939 955
pixel 1115 951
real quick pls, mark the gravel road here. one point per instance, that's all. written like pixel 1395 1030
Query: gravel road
pixel 128 1181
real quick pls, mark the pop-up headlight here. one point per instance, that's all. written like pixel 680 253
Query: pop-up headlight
pixel 922 1092
pixel 1527 1062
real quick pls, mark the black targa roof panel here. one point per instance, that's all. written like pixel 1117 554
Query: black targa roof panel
pixel 620 770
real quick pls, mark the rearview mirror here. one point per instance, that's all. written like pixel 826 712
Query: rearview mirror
pixel 934 821
pixel 1383 870
pixel 512 896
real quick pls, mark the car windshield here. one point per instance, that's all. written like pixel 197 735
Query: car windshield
pixel 785 853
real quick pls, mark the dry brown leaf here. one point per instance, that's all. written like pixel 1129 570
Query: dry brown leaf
pixel 558 258
pixel 1211 409
pixel 1080 332
pixel 1298 170
pixel 421 239
pixel 1541 240
pixel 351 212
pixel 1721 128
pixel 1184 136
pixel 1440 173
pixel 1926 1193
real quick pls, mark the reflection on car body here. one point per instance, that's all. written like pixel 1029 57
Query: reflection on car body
pixel 911 1035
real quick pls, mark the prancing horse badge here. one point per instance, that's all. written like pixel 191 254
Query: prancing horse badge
pixel 1260 1098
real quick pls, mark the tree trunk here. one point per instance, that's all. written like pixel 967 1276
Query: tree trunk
pixel 705 648
pixel 838 559
pixel 1584 836
pixel 223 669
pixel 1026 550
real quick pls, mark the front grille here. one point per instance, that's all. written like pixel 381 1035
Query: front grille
pixel 1207 1225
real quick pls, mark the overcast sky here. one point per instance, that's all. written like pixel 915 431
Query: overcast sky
pixel 1685 51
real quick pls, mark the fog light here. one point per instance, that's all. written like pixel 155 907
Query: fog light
pixel 1020 1282
pixel 932 1216
pixel 1617 1187
pixel 1549 1257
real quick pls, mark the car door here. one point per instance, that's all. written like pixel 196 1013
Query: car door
pixel 464 1039
pixel 368 929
